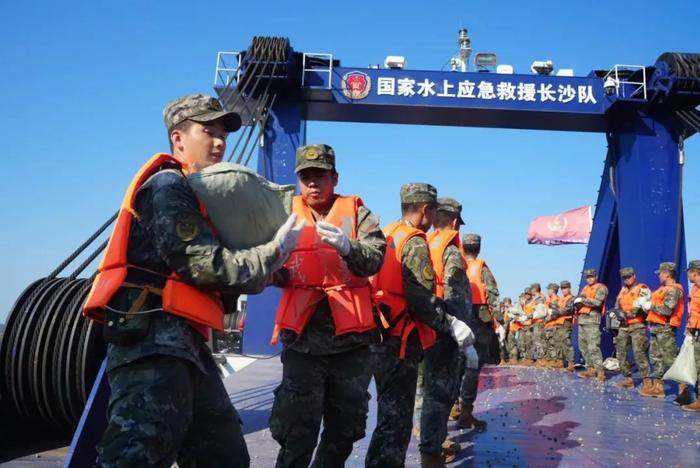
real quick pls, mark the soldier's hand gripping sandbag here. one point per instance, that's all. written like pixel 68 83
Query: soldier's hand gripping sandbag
pixel 333 236
pixel 460 331
pixel 286 238
pixel 246 209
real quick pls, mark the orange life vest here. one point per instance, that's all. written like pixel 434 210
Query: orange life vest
pixel 438 241
pixel 589 292
pixel 657 298
pixel 317 272
pixel 553 322
pixel 694 308
pixel 389 289
pixel 626 298
pixel 562 319
pixel 474 268
pixel 203 310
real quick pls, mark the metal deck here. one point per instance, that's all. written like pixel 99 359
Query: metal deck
pixel 536 417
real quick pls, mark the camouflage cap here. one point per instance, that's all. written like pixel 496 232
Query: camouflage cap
pixel 319 156
pixel 666 266
pixel 590 272
pixel 536 286
pixel 553 286
pixel 565 284
pixel 450 205
pixel 694 265
pixel 471 239
pixel 199 108
pixel 417 192
pixel 626 272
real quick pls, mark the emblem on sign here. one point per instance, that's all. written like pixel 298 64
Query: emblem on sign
pixel 356 85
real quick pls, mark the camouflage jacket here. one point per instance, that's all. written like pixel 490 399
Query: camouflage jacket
pixel 671 298
pixel 365 259
pixel 458 294
pixel 170 235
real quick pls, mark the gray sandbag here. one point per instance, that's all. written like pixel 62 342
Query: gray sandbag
pixel 245 208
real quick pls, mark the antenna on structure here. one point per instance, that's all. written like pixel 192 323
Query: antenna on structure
pixel 460 62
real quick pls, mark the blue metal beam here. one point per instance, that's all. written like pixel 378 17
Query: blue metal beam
pixel 457 99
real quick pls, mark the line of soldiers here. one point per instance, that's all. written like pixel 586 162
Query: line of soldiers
pixel 358 302
pixel 643 321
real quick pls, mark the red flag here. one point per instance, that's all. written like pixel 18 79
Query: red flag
pixel 570 227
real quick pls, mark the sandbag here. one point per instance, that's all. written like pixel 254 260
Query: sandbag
pixel 540 312
pixel 245 208
pixel 683 369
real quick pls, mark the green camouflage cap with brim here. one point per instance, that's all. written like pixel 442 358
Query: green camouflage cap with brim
pixel 536 286
pixel 318 156
pixel 471 239
pixel 626 272
pixel 694 265
pixel 418 192
pixel 666 266
pixel 590 272
pixel 199 108
pixel 553 286
pixel 450 205
pixel 565 284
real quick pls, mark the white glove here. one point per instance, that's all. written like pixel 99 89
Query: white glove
pixel 522 319
pixel 578 300
pixel 501 332
pixel 334 236
pixel 472 357
pixel 637 303
pixel 540 312
pixel 462 334
pixel 646 306
pixel 286 239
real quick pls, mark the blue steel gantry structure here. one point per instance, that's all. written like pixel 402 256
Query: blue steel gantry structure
pixel 644 112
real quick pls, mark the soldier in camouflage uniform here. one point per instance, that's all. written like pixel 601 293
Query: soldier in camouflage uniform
pixel 537 328
pixel 664 316
pixel 562 334
pixel 634 331
pixel 481 323
pixel 326 376
pixel 590 303
pixel 551 352
pixel 693 328
pixel 525 342
pixel 442 362
pixel 394 377
pixel 167 399
pixel 504 320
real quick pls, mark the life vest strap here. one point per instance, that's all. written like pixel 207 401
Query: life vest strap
pixel 141 298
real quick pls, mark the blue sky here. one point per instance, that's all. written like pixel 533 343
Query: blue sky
pixel 84 85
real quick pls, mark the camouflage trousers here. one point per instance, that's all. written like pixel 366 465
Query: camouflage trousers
pixel 512 345
pixel 562 342
pixel 636 337
pixel 395 380
pixel 526 342
pixel 538 341
pixel 162 409
pixel 589 340
pixel 440 389
pixel 662 348
pixel 551 351
pixel 332 388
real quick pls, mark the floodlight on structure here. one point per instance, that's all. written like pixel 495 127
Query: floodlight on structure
pixel 542 67
pixel 397 62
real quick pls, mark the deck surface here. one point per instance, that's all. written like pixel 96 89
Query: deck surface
pixel 536 417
